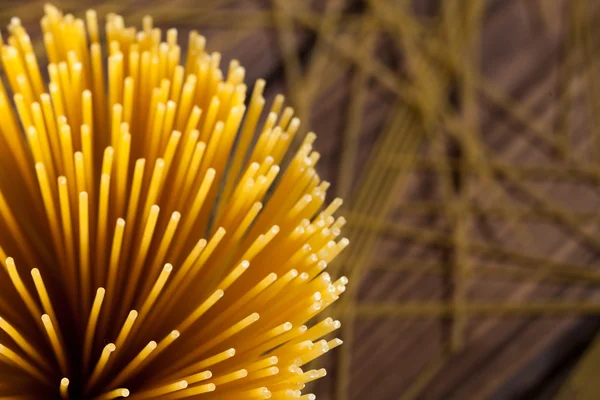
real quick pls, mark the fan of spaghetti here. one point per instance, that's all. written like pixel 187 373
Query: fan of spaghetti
pixel 151 246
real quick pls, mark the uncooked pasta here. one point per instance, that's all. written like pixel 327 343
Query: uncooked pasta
pixel 164 232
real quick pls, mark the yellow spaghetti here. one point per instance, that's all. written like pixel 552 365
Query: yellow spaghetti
pixel 159 238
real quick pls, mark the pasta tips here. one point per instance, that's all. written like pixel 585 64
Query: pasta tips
pixel 158 238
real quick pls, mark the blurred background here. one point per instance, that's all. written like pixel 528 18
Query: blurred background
pixel 464 136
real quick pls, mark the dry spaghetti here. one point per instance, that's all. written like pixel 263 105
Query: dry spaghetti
pixel 152 245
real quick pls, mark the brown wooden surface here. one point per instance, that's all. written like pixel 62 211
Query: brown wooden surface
pixel 531 239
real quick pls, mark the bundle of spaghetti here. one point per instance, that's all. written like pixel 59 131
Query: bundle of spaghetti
pixel 159 236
